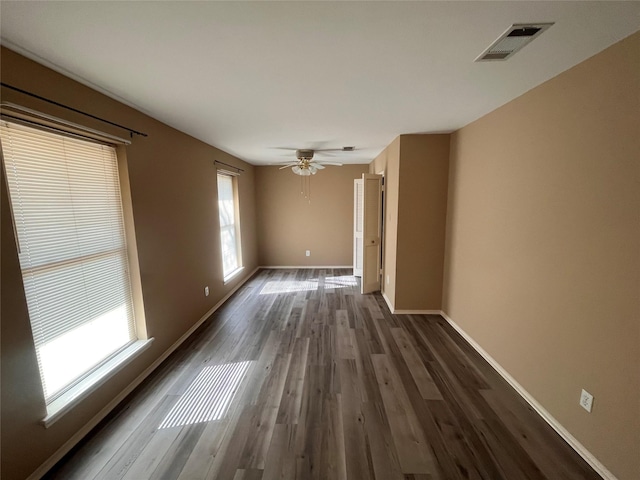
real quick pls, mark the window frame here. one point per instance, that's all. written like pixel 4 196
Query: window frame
pixel 62 401
pixel 235 226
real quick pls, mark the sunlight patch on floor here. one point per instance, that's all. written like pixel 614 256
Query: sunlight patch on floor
pixel 292 286
pixel 209 395
pixel 342 281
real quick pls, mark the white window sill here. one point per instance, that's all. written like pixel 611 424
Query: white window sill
pixel 232 275
pixel 64 403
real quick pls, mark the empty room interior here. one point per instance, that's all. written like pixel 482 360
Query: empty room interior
pixel 332 240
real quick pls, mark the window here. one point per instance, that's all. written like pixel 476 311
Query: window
pixel 229 225
pixel 67 209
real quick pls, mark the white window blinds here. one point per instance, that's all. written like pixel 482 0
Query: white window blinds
pixel 65 197
pixel 228 225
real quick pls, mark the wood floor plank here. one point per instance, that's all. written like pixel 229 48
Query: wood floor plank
pixel 248 474
pixel 424 382
pixel 225 464
pixel 308 446
pixel 413 452
pixel 281 458
pixel 131 449
pixel 345 348
pixel 452 451
pixel 468 419
pixel 384 456
pixel 153 454
pixel 177 455
pixel 266 412
pixel 333 386
pixel 205 450
pixel 357 452
pixel 332 447
pixel 291 400
pixel 366 370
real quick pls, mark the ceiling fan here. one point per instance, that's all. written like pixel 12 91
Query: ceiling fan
pixel 306 165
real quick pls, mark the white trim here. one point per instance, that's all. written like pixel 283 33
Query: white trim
pixel 417 312
pixel 389 304
pixel 65 403
pixel 278 267
pixel 69 444
pixel 408 312
pixel 232 275
pixel 563 432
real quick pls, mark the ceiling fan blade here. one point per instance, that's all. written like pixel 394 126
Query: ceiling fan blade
pixel 317 165
pixel 329 163
pixel 283 148
pixel 287 165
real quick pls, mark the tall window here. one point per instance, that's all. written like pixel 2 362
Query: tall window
pixel 229 224
pixel 65 198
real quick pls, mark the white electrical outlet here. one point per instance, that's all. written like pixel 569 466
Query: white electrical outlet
pixel 206 291
pixel 387 279
pixel 586 400
pixel 308 253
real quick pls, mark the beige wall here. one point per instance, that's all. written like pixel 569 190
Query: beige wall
pixel 416 169
pixel 288 224
pixel 543 247
pixel 422 213
pixel 173 191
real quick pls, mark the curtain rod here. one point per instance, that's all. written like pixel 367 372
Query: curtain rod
pixel 227 165
pixel 131 131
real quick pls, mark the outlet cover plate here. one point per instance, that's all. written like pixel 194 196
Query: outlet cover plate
pixel 586 400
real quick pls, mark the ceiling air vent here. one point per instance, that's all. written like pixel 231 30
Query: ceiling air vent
pixel 516 37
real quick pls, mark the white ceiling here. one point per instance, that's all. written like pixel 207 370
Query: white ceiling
pixel 250 76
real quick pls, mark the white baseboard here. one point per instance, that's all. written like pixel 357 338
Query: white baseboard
pixel 283 267
pixel 408 312
pixel 389 304
pixel 79 435
pixel 563 432
pixel 417 312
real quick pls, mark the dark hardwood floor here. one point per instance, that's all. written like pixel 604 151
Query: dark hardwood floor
pixel 300 376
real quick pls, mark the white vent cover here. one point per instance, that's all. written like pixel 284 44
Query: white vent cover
pixel 516 37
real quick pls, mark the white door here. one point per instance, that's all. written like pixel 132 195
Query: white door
pixel 371 232
pixel 357 227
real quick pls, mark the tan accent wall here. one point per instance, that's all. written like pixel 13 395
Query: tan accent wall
pixel 416 169
pixel 173 194
pixel 422 214
pixel 543 247
pixel 288 224
pixel 388 164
